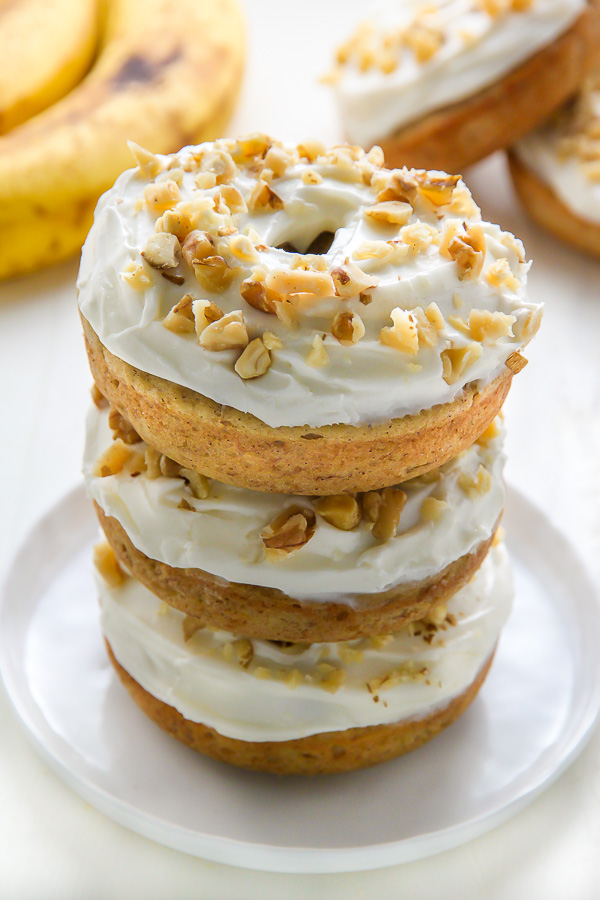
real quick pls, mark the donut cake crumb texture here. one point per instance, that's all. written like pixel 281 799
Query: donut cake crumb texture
pixel 443 85
pixel 295 451
pixel 556 171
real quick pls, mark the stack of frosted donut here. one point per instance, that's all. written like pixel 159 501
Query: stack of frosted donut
pixel 295 451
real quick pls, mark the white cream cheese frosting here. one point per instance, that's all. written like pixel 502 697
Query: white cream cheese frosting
pixel 565 153
pixel 405 265
pixel 222 533
pixel 270 692
pixel 415 57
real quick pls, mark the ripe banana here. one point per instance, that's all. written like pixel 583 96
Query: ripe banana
pixel 167 73
pixel 46 50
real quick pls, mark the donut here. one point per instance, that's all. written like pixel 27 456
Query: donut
pixel 315 708
pixel 556 171
pixel 301 320
pixel 442 85
pixel 203 546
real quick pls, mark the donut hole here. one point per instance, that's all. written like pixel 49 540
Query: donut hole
pixel 318 246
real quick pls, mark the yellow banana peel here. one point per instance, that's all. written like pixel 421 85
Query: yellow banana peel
pixel 46 49
pixel 167 74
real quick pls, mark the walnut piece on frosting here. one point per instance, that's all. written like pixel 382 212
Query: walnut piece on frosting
pixel 162 251
pixel 108 566
pixel 384 508
pixel 456 360
pixel 403 334
pixel 348 328
pixel 226 333
pixel 289 531
pixel 180 319
pixel 340 510
pixel 254 361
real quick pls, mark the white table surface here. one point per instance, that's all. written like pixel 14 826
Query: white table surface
pixel 52 844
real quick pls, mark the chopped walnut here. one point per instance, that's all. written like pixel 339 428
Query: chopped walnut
pixel 350 281
pixel 122 428
pixel 348 328
pixel 108 566
pixel 403 334
pixel 227 333
pixel 162 196
pixel 100 401
pixel 205 312
pixel 300 281
pixel 293 678
pixel 516 362
pixel 488 326
pixel 214 273
pixel 271 341
pixel 180 319
pixel 432 509
pixel 199 484
pixel 388 510
pixel 153 463
pixel 468 251
pixel 244 652
pixel 424 41
pixel 490 433
pixel 176 222
pixel 289 531
pixel 317 358
pixel 162 251
pixel 340 510
pixel 350 654
pixel 264 198
pixel 408 671
pixel 311 150
pixel 331 679
pixel 149 164
pixel 189 626
pixel 168 467
pixel 472 485
pixel 390 212
pixel 198 245
pixel 437 614
pixel 418 236
pixel 232 197
pixel 456 360
pixel 220 163
pixel 136 277
pixel 254 361
pixel 257 295
pixel 113 460
pixel 437 188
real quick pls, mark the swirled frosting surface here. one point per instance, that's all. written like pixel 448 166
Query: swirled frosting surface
pixel 404 266
pixel 269 692
pixel 221 534
pixel 413 57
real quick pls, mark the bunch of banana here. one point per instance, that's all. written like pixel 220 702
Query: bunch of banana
pixel 167 73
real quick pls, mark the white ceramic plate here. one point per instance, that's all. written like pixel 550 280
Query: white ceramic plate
pixel 530 720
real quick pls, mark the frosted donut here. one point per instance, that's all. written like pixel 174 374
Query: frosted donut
pixel 360 567
pixel 298 708
pixel 300 320
pixel 556 171
pixel 442 85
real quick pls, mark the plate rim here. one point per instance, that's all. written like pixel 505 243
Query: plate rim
pixel 299 860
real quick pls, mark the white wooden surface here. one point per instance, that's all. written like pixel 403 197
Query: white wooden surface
pixel 53 845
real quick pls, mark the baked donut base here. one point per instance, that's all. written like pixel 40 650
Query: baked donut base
pixel 269 614
pixel 319 754
pixel 459 135
pixel 237 448
pixel 549 211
